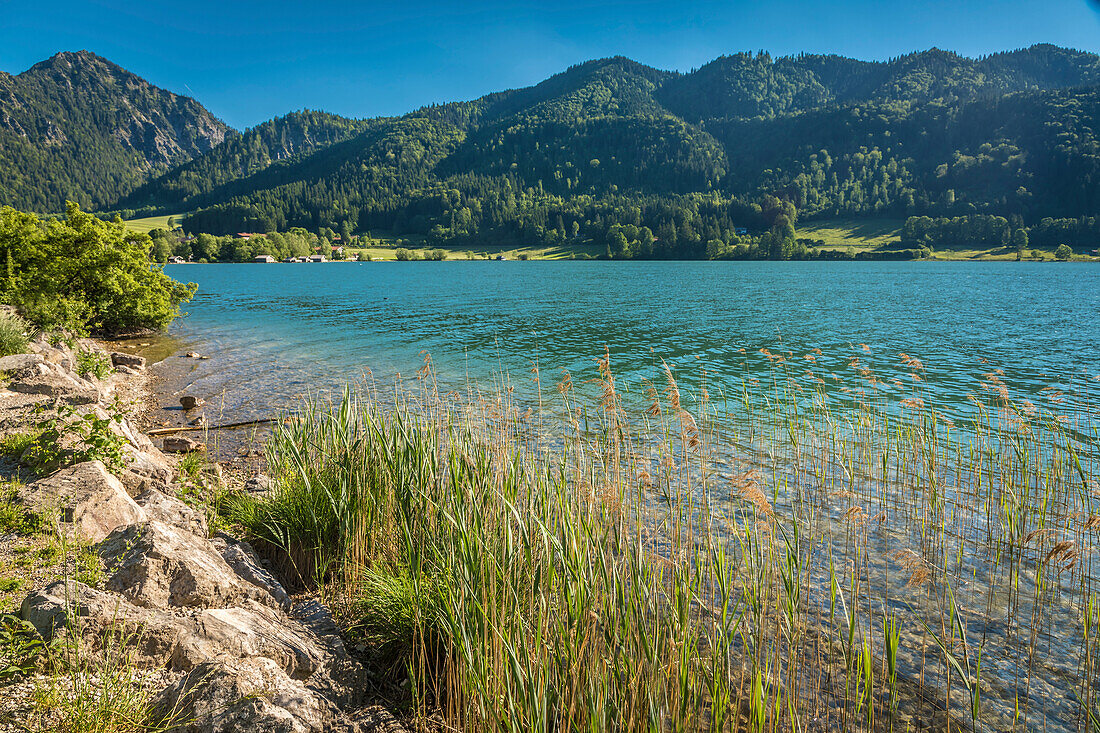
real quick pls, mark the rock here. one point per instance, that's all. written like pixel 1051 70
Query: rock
pixel 164 638
pixel 19 362
pixel 259 484
pixel 244 695
pixel 54 381
pixel 242 558
pixel 172 511
pixel 127 370
pixel 190 402
pixel 182 444
pixel 377 719
pixel 155 565
pixel 61 355
pixel 92 503
pixel 250 632
pixel 145 470
pixel 132 361
pixel 135 437
pixel 67 607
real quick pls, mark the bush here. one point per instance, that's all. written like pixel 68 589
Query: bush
pixel 93 363
pixel 1064 252
pixel 13 334
pixel 84 274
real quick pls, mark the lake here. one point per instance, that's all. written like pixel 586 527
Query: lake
pixel 1019 341
pixel 279 330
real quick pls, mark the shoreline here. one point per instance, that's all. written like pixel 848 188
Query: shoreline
pixel 135 542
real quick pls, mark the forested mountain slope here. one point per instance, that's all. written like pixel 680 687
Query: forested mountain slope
pixel 650 162
pixel 694 158
pixel 77 127
pixel 200 181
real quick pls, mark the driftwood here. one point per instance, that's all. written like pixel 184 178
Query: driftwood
pixel 188 428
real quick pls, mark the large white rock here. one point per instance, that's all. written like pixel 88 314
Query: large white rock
pixel 255 695
pixel 243 633
pixel 89 502
pixel 156 565
pixel 54 381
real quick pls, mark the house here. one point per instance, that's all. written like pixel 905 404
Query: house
pixel 740 231
pixel 318 258
pixel 263 258
pixel 177 260
pixel 243 235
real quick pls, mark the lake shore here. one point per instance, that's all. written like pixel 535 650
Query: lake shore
pixel 174 612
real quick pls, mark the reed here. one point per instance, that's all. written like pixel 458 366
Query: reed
pixel 819 560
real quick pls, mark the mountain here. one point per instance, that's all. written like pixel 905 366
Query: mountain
pixel 744 142
pixel 650 162
pixel 747 86
pixel 79 127
pixel 205 179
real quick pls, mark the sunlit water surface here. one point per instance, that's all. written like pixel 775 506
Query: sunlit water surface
pixel 276 332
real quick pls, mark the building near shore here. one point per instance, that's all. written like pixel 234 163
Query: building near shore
pixel 263 258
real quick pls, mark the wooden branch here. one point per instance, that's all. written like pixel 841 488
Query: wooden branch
pixel 188 428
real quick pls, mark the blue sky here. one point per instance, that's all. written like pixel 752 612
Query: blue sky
pixel 250 61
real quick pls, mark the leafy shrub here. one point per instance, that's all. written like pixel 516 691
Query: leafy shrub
pixel 13 334
pixel 404 255
pixel 1064 252
pixel 14 444
pixel 69 437
pixel 436 255
pixel 93 363
pixel 84 274
pixel 20 647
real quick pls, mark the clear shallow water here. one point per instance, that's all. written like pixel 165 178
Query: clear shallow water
pixel 279 330
pixel 275 332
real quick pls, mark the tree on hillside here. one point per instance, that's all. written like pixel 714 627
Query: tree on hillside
pixel 1019 240
pixel 1064 252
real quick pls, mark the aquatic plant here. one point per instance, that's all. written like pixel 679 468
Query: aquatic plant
pixel 790 558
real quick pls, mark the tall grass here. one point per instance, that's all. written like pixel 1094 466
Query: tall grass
pixel 14 334
pixel 787 562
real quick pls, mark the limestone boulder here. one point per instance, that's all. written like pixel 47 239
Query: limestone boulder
pixel 247 631
pixel 67 608
pixel 177 639
pixel 146 470
pixel 59 354
pixel 170 510
pixel 19 362
pixel 182 444
pixel 133 361
pixel 243 559
pixel 89 502
pixel 156 565
pixel 253 695
pixel 54 381
pixel 139 440
pixel 259 484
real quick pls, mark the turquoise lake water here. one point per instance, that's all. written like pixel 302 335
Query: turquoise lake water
pixel 280 330
pixel 276 332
